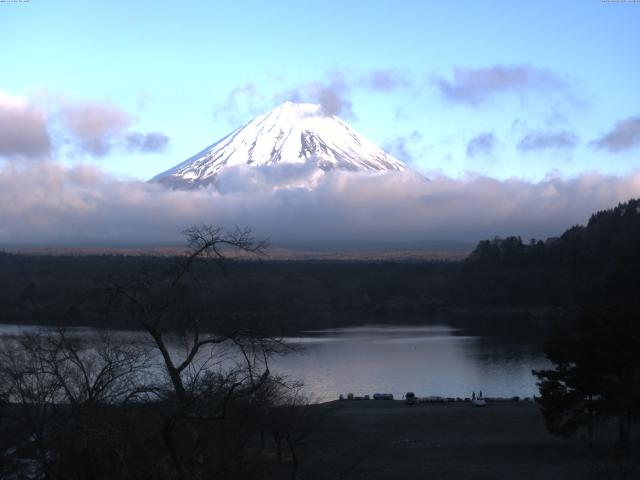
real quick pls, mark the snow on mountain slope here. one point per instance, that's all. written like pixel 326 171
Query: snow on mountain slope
pixel 292 133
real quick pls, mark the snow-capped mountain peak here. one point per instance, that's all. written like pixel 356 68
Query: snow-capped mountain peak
pixel 290 133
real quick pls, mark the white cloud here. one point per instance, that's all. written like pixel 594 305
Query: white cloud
pixel 481 144
pixel 35 129
pixel 473 86
pixel 548 141
pixel 94 126
pixel 624 135
pixel 47 203
pixel 23 129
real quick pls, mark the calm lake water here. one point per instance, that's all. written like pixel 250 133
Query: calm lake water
pixel 427 360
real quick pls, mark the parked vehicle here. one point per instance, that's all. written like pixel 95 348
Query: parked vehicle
pixel 383 396
pixel 433 399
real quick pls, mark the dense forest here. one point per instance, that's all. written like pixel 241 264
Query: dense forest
pixel 503 278
pixel 596 263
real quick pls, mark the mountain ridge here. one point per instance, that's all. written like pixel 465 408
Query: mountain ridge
pixel 291 133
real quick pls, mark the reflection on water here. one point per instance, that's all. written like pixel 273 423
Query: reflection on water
pixel 428 360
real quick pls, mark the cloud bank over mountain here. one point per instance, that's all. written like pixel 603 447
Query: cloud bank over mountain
pixel 46 203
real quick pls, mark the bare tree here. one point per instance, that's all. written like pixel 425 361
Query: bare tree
pixel 212 370
pixel 100 369
pixel 57 386
pixel 33 396
pixel 187 402
pixel 155 301
pixel 290 420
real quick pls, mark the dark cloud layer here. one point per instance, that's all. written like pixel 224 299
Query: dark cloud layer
pixel 23 130
pixel 624 135
pixel 482 144
pixel 547 140
pixel 473 86
pixel 48 203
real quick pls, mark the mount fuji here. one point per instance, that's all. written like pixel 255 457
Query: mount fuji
pixel 290 134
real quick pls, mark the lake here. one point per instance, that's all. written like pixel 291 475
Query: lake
pixel 427 360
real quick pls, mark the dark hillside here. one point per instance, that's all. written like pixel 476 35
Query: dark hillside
pixel 599 262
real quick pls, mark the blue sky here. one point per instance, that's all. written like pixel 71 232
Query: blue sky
pixel 172 66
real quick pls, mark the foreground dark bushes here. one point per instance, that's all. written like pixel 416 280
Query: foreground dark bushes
pixel 99 408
